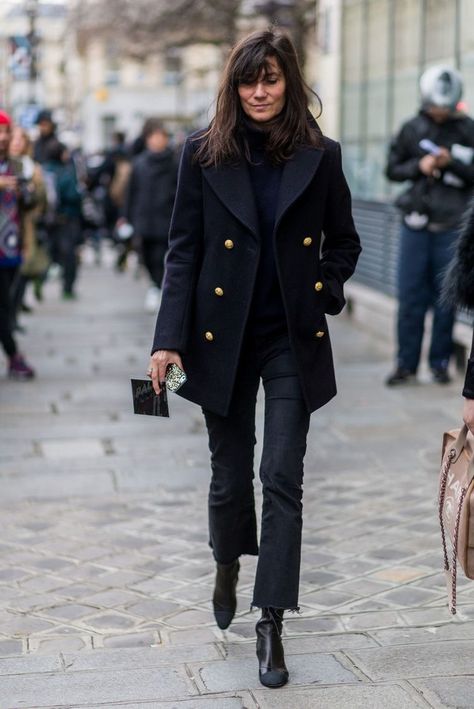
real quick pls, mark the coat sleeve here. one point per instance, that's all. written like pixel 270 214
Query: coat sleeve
pixel 341 245
pixel 402 164
pixel 183 258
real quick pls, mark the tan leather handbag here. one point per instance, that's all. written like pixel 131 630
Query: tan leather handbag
pixel 456 506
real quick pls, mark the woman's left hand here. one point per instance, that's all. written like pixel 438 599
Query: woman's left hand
pixel 468 414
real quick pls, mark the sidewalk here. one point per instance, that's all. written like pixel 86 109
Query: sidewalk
pixel 105 572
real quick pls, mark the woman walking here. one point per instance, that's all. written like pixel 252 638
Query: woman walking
pixel 249 280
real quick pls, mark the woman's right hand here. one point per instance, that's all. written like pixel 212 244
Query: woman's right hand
pixel 468 414
pixel 159 362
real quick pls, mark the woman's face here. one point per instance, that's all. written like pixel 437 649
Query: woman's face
pixel 265 98
pixel 18 143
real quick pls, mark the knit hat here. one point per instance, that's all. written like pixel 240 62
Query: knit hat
pixel 5 119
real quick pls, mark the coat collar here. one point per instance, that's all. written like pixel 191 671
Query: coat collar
pixel 232 185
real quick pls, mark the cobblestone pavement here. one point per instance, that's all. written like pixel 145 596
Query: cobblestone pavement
pixel 105 573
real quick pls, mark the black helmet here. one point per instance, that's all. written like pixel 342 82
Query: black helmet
pixel 441 86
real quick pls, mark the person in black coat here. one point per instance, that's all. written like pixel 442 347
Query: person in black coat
pixel 458 291
pixel 261 242
pixel 149 202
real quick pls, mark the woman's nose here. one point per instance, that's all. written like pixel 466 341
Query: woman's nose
pixel 260 90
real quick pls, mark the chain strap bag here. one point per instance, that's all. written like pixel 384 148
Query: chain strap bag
pixel 456 507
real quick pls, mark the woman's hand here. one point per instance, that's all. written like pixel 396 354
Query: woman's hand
pixel 159 362
pixel 468 414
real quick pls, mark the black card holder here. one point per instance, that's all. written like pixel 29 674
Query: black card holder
pixel 146 402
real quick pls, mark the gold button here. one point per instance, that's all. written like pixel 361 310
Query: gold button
pixel 229 244
pixel 318 286
pixel 218 291
pixel 209 336
pixel 308 241
pixel 320 333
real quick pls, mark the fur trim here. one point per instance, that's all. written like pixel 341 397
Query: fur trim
pixel 458 283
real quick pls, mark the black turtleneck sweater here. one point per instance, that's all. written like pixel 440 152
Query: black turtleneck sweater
pixel 267 313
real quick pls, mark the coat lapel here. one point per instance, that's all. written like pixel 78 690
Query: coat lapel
pixel 232 185
pixel 297 174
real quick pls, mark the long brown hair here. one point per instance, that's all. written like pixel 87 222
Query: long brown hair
pixel 224 140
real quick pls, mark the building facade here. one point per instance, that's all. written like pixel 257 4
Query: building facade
pixel 371 54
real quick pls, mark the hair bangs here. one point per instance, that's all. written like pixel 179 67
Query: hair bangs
pixel 249 66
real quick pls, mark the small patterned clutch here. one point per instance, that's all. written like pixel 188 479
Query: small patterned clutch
pixel 175 377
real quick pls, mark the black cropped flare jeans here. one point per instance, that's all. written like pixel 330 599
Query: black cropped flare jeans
pixel 232 518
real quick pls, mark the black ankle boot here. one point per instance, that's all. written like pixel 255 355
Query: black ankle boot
pixel 271 659
pixel 224 600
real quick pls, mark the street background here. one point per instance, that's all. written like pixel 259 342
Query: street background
pixel 106 576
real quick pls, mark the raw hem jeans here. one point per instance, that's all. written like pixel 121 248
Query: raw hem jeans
pixel 232 519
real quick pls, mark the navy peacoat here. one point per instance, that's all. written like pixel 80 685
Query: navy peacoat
pixel 212 264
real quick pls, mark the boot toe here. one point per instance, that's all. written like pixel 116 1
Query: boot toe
pixel 223 618
pixel 274 678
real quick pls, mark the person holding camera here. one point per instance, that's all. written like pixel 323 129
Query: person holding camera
pixel 16 198
pixel 435 152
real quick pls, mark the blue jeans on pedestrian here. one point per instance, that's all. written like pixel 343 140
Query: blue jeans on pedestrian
pixel 424 257
pixel 232 518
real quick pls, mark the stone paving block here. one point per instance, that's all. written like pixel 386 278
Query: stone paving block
pixel 401 574
pixel 409 596
pixel 243 701
pixel 69 611
pixel 328 598
pixel 452 692
pixel 143 639
pixel 47 486
pixel 111 598
pixel 93 688
pixel 302 645
pixel 72 448
pixel 28 665
pixel 10 647
pixel 366 621
pixel 405 636
pixel 231 675
pixel 193 636
pixel 349 697
pixel 62 643
pixel 187 618
pixel 312 625
pixel 135 658
pixel 150 608
pixel 433 659
pixel 43 584
pixel 109 621
pixel 20 626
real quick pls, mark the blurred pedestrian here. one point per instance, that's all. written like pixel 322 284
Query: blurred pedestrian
pixel 15 198
pixel 149 203
pixel 435 152
pixel 35 256
pixel 47 135
pixel 64 218
pixel 248 283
